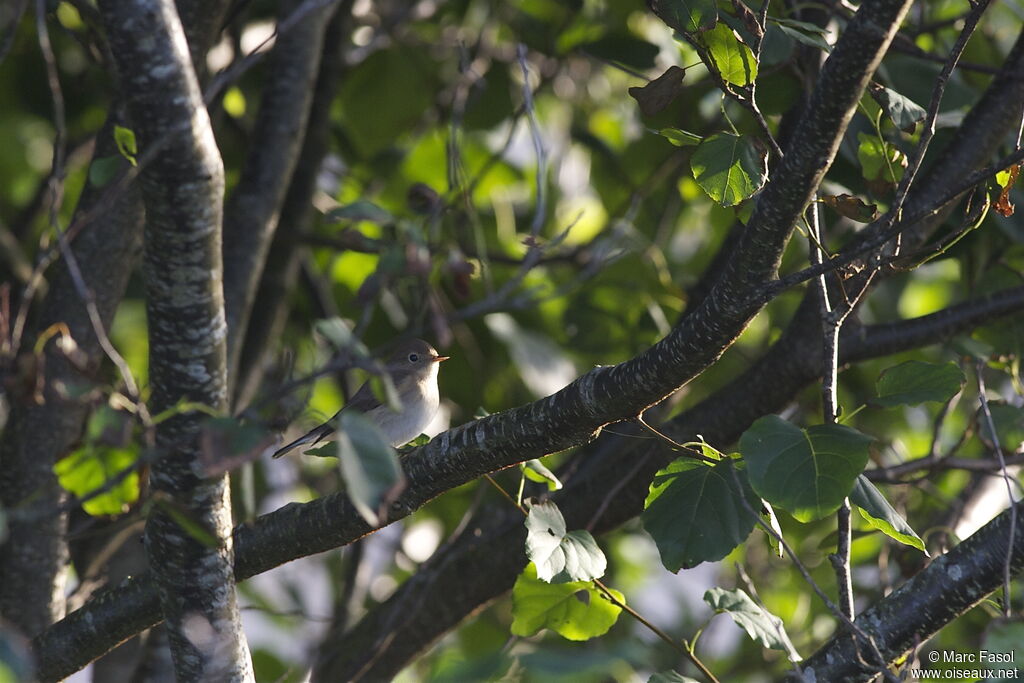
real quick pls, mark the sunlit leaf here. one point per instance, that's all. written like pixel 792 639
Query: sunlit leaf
pixel 561 556
pixel 679 137
pixel 576 611
pixel 877 512
pixel 125 140
pixel 730 168
pixel 534 470
pixel 695 513
pixel 806 472
pixel 915 381
pixel 93 468
pixel 732 58
pixel 760 625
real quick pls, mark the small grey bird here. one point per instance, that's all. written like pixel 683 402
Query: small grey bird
pixel 413 368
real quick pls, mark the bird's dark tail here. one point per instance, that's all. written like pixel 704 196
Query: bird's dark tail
pixel 311 437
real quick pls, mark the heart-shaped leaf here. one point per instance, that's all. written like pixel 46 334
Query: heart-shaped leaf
pixel 730 168
pixel 695 513
pixel 734 60
pixel 806 472
pixel 576 611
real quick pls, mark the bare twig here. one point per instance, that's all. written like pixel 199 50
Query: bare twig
pixel 990 423
pixel 540 210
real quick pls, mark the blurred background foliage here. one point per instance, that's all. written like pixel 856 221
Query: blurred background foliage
pixel 431 150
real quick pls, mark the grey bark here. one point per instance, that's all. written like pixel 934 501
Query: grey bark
pixel 182 188
pixel 252 213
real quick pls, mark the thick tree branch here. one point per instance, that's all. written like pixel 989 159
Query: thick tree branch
pixel 483 562
pixel 252 212
pixel 952 584
pixel 282 265
pixel 182 188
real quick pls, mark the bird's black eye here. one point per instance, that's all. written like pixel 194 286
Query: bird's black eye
pixel 413 357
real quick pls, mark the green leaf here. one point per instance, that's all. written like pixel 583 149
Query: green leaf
pixel 1009 423
pixel 811 39
pixel 360 210
pixel 670 677
pixel 125 140
pixel 90 468
pixel 915 382
pixel 730 168
pixel 369 465
pixel 877 512
pixel 103 170
pixel 576 611
pixel 879 160
pixel 902 111
pixel 734 60
pixel 561 556
pixel 686 16
pixel 806 472
pixel 759 624
pixel 695 514
pixel 679 137
pixel 184 519
pixel 803 32
pixel 535 471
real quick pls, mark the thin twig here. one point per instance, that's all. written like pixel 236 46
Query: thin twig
pixel 540 211
pixel 990 423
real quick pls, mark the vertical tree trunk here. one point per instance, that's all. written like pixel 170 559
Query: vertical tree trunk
pixel 188 536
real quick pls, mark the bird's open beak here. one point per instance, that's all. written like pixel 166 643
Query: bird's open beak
pixel 438 359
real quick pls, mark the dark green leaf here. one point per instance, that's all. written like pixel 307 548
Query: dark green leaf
pixel 806 472
pixel 369 464
pixel 734 60
pixel 686 16
pixel 576 611
pixel 695 512
pixel 915 382
pixel 561 556
pixel 103 170
pixel 730 168
pixel 875 509
pixel 759 624
pixel 812 39
pixel 901 110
